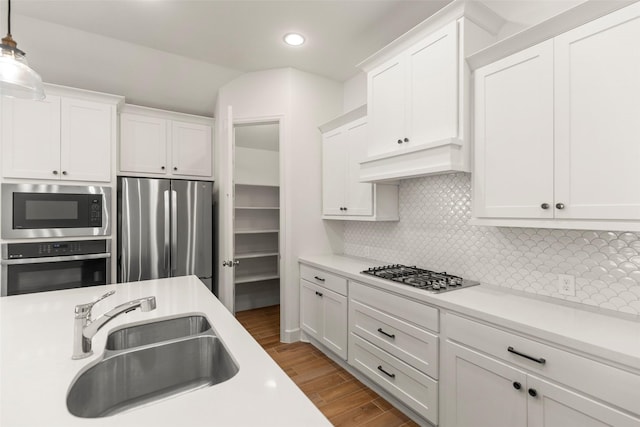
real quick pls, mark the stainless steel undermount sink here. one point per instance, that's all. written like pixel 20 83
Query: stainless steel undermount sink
pixel 162 330
pixel 140 368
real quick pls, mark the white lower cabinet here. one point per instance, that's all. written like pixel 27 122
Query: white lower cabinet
pixel 323 311
pixel 495 378
pixel 393 340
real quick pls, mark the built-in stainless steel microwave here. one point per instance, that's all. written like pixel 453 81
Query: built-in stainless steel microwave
pixel 42 210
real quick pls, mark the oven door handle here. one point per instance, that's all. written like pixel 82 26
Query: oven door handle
pixel 53 259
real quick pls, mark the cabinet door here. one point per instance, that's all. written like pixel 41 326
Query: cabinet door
pixel 143 144
pixel 481 391
pixel 334 322
pixel 86 138
pixel 31 138
pixel 191 148
pixel 513 175
pixel 334 168
pixel 597 118
pixel 359 195
pixel 386 107
pixel 311 309
pixel 554 406
pixel 432 88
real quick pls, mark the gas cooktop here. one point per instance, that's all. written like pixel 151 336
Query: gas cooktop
pixel 420 278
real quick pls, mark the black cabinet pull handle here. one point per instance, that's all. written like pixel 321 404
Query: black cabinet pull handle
pixel 381 369
pixel 406 140
pixel 399 141
pixel 533 392
pixel 175 168
pixel 545 206
pixel 162 167
pixel 517 385
pixel 539 360
pixel 392 336
pixel 64 172
pixel 319 293
pixel 318 278
pixel 559 205
pixel 55 172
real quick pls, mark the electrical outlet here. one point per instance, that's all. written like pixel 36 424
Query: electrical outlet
pixel 567 284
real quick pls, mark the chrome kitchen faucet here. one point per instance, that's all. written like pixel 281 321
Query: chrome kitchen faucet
pixel 84 328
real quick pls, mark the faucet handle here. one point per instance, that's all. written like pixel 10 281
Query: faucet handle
pixel 84 310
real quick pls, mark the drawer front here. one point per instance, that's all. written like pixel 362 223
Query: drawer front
pixel 412 387
pixel 400 307
pixel 323 278
pixel 407 342
pixel 561 366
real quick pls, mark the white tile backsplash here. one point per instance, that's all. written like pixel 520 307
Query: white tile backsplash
pixel 434 233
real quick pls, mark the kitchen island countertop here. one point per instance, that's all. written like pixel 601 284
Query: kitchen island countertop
pixel 36 369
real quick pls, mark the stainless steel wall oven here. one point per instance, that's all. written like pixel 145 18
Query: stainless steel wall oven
pixel 43 210
pixel 49 266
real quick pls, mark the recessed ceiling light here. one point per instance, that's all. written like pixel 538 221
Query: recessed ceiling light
pixel 293 39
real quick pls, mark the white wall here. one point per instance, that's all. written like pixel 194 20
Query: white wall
pixel 257 167
pixel 355 92
pixel 149 77
pixel 303 101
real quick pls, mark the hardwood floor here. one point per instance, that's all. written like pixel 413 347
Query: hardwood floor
pixel 343 399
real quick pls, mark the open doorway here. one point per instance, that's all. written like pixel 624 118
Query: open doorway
pixel 257 233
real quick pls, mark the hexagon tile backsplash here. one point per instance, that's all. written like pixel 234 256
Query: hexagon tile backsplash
pixel 434 233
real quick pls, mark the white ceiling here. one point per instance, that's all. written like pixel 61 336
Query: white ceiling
pixel 175 54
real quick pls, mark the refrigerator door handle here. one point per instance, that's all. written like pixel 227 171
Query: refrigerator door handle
pixel 174 230
pixel 167 231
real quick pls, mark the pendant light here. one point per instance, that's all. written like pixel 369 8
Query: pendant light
pixel 17 79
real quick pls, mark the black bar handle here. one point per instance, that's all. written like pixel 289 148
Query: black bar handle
pixel 381 369
pixel 318 278
pixel 539 360
pixel 319 293
pixel 392 336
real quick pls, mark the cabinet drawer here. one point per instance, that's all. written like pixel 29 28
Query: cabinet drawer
pixel 412 387
pixel 407 342
pixel 568 368
pixel 400 307
pixel 320 277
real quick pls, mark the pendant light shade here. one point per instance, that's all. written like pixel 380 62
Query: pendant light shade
pixel 17 79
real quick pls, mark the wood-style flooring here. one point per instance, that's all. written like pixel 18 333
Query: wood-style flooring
pixel 343 399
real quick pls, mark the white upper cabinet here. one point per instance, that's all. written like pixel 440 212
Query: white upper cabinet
pixel 557 130
pixel 514 136
pixel 413 98
pixel 165 144
pixel 343 195
pixel 87 133
pixel 29 150
pixel 143 144
pixel 187 139
pixel 68 136
pixel 417 94
pixel 597 132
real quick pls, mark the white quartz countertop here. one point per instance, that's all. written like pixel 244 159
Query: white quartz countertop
pixel 36 369
pixel 609 337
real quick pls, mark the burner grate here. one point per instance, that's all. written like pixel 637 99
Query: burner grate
pixel 420 278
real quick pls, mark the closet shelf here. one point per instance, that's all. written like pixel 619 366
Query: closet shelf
pixel 270 230
pixel 256 278
pixel 258 207
pixel 255 254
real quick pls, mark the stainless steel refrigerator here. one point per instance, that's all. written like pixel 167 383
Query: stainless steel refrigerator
pixel 164 229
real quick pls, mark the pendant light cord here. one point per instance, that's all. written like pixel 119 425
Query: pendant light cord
pixel 9 18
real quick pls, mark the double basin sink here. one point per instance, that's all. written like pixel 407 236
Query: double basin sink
pixel 147 362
